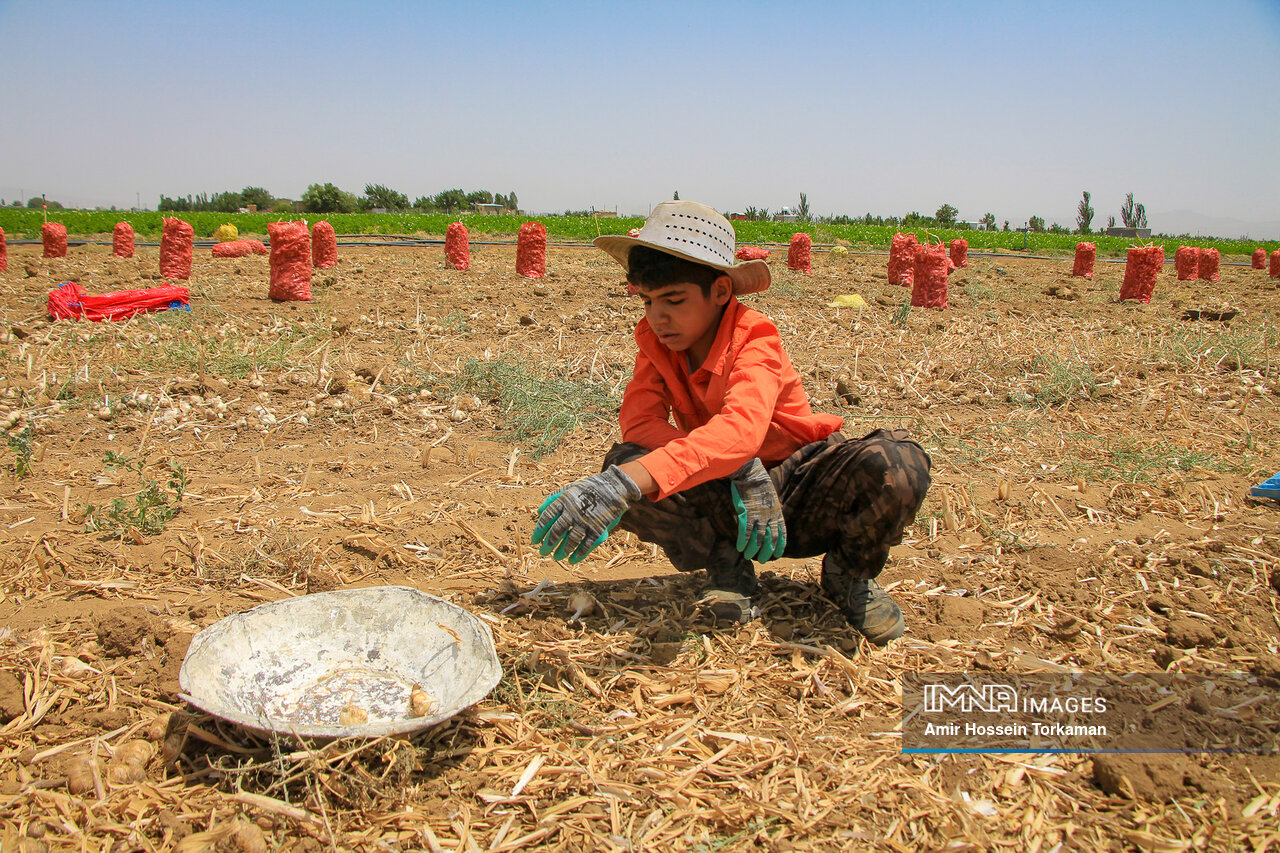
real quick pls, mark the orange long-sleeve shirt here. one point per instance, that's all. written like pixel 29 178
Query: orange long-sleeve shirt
pixel 746 400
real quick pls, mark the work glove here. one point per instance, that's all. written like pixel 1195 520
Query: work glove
pixel 762 531
pixel 573 522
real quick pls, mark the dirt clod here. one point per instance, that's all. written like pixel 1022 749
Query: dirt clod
pixel 11 701
pixel 122 630
pixel 1190 633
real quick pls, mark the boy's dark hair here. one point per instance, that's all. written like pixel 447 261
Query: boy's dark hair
pixel 651 269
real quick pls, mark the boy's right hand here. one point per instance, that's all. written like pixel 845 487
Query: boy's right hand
pixel 571 523
pixel 762 529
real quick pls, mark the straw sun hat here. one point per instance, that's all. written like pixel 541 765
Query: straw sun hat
pixel 696 233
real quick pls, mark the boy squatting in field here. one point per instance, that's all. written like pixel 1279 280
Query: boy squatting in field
pixel 747 471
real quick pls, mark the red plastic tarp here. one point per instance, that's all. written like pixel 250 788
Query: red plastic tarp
pixel 800 253
pixel 72 302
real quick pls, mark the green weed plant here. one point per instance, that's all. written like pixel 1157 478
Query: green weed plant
pixel 151 509
pixel 540 410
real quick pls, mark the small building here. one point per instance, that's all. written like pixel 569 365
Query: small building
pixel 1131 233
pixel 489 209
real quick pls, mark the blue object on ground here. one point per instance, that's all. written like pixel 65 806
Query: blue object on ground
pixel 1268 488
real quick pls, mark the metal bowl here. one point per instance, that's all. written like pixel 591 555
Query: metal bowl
pixel 319 665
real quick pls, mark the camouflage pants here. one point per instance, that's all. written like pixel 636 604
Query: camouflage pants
pixel 849 499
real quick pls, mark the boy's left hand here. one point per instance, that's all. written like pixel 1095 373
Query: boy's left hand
pixel 762 530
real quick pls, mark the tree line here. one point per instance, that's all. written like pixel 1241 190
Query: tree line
pixel 328 198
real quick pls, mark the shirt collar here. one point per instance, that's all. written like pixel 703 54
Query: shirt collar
pixel 719 352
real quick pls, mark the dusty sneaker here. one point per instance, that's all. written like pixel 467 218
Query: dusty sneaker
pixel 871 610
pixel 728 605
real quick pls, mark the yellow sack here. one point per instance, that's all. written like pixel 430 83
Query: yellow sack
pixel 849 300
pixel 226 232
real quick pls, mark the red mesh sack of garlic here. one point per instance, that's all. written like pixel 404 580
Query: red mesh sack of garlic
pixel 1140 273
pixel 1259 258
pixel 457 247
pixel 929 277
pixel 1208 267
pixel 750 253
pixel 1086 254
pixel 1274 272
pixel 902 259
pixel 176 241
pixel 290 261
pixel 1186 262
pixel 232 249
pixel 960 252
pixel 324 245
pixel 54 237
pixel 531 250
pixel 4 252
pixel 122 240
pixel 800 253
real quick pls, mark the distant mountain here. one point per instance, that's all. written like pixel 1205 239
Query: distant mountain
pixel 1197 224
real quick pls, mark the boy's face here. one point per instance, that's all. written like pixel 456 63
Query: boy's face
pixel 683 318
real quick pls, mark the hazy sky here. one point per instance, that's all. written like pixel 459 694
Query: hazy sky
pixel 1012 108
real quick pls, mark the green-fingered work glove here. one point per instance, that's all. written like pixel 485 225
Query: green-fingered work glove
pixel 571 523
pixel 762 531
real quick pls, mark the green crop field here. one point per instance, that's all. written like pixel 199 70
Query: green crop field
pixel 21 223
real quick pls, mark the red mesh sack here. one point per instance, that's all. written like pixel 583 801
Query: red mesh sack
pixel 324 245
pixel 176 240
pixel 232 249
pixel 1186 261
pixel 531 250
pixel 259 248
pixel 1140 272
pixel 122 240
pixel 54 235
pixel 290 261
pixel 751 253
pixel 4 252
pixel 800 253
pixel 902 259
pixel 960 252
pixel 457 246
pixel 1208 268
pixel 929 277
pixel 71 302
pixel 1086 254
pixel 1259 259
pixel 1274 272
